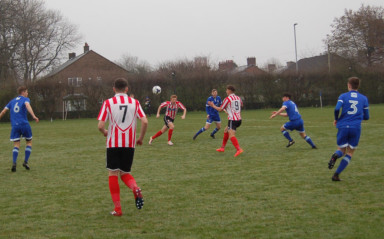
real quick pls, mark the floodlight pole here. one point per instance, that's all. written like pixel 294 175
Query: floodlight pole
pixel 294 30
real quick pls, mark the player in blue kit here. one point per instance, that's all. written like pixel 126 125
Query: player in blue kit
pixel 18 108
pixel 354 109
pixel 212 114
pixel 295 121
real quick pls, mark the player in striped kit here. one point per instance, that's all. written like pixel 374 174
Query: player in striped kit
pixel 232 104
pixel 122 111
pixel 170 113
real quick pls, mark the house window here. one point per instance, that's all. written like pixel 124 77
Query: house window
pixel 76 105
pixel 75 81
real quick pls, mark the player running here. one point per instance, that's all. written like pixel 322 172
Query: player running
pixel 122 111
pixel 354 108
pixel 232 104
pixel 295 121
pixel 170 113
pixel 18 108
pixel 212 115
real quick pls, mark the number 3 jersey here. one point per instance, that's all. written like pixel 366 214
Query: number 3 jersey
pixel 232 104
pixel 18 110
pixel 353 108
pixel 122 112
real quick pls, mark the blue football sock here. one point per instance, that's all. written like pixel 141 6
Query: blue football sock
pixel 339 153
pixel 28 151
pixel 15 153
pixel 286 135
pixel 343 164
pixel 214 131
pixel 309 141
pixel 200 131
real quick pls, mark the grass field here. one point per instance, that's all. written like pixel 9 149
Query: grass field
pixel 190 190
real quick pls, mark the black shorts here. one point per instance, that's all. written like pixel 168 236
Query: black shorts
pixel 120 159
pixel 234 124
pixel 167 120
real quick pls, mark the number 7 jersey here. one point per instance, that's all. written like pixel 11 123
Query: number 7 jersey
pixel 122 112
pixel 232 104
pixel 353 107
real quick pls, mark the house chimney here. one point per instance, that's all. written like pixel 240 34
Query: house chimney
pixel 251 61
pixel 71 55
pixel 271 68
pixel 291 64
pixel 86 48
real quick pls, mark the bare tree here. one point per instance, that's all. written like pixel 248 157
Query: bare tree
pixel 359 35
pixel 133 65
pixel 34 38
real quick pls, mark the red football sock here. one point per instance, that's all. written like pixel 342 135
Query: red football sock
pixel 129 180
pixel 235 143
pixel 225 139
pixel 115 192
pixel 157 134
pixel 170 131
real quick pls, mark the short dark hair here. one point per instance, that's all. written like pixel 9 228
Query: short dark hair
pixel 173 96
pixel 231 88
pixel 354 82
pixel 120 84
pixel 287 95
pixel 21 89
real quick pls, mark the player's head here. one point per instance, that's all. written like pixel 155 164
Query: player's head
pixel 353 83
pixel 214 92
pixel 230 89
pixel 120 85
pixel 173 98
pixel 22 90
pixel 286 96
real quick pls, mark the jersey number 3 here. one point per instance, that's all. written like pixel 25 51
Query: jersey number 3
pixel 353 107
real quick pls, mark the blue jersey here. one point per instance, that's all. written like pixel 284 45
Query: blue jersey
pixel 18 110
pixel 216 101
pixel 354 108
pixel 291 109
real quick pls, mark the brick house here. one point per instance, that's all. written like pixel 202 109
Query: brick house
pixel 251 68
pixel 81 83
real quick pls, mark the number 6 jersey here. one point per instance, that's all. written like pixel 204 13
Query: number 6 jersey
pixel 122 112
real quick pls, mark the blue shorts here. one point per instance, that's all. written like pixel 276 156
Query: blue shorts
pixel 213 118
pixel 348 137
pixel 295 125
pixel 21 131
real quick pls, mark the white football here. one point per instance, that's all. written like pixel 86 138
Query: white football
pixel 156 90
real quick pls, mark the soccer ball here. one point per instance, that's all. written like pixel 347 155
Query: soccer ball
pixel 156 90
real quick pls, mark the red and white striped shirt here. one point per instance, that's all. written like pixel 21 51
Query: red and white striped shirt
pixel 172 108
pixel 122 112
pixel 232 104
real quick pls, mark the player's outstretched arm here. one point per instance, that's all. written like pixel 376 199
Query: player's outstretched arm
pixel 275 113
pixel 158 112
pixel 3 112
pixel 185 112
pixel 101 127
pixel 30 110
pixel 143 130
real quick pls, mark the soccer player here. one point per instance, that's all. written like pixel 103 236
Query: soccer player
pixel 18 108
pixel 232 104
pixel 354 109
pixel 295 121
pixel 212 115
pixel 170 113
pixel 122 111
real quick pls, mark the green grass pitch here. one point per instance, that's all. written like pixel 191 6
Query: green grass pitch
pixel 192 191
